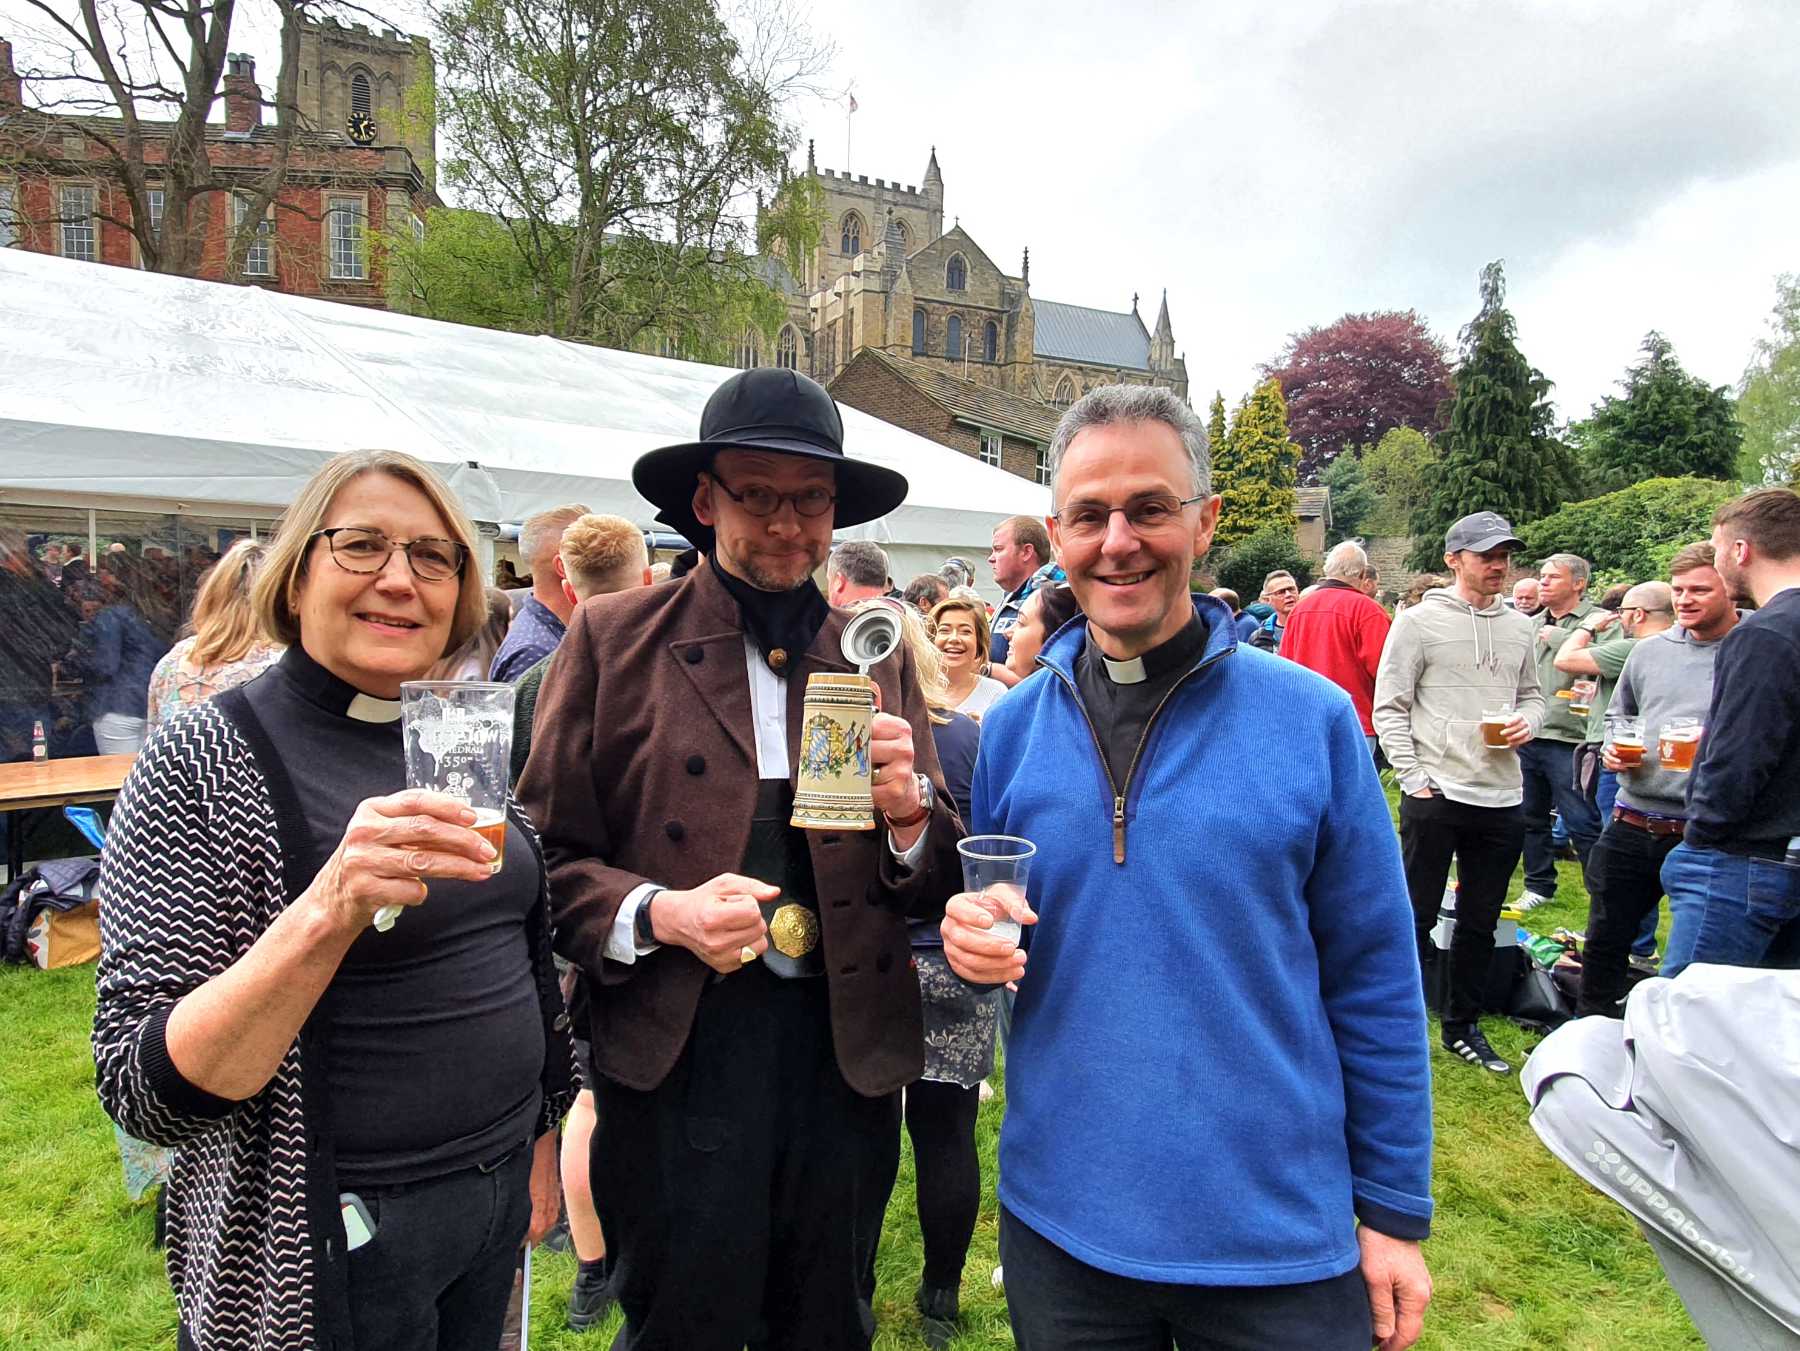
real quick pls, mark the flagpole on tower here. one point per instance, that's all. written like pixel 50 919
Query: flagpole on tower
pixel 849 111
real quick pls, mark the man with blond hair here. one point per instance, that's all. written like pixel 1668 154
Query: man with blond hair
pixel 1667 673
pixel 541 621
pixel 596 556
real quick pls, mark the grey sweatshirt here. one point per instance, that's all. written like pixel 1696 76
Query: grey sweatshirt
pixel 1668 675
pixel 1445 661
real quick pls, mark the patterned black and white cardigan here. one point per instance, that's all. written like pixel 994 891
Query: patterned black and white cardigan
pixel 193 873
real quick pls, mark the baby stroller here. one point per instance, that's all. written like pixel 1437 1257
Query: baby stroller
pixel 1688 1115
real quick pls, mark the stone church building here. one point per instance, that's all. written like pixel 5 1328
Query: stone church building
pixel 887 277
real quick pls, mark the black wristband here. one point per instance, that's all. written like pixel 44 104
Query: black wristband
pixel 641 927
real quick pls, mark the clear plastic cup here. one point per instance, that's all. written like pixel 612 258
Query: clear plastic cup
pixel 997 868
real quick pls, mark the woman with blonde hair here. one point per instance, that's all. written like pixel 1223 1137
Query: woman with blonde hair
pixel 225 645
pixel 365 1120
pixel 942 1105
pixel 475 657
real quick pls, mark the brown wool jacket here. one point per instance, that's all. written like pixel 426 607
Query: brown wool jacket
pixel 643 769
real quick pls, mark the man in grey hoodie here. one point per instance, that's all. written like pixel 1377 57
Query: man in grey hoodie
pixel 1454 657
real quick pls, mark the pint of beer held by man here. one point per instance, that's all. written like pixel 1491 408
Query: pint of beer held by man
pixel 1628 741
pixel 1678 743
pixel 1493 727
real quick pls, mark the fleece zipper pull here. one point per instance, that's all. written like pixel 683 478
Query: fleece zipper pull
pixel 1118 830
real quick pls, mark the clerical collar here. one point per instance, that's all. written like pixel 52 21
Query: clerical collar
pixel 1180 651
pixel 782 624
pixel 332 694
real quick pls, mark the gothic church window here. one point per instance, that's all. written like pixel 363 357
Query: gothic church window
pixel 1065 393
pixel 787 350
pixel 956 274
pixel 990 342
pixel 851 236
pixel 918 333
pixel 953 337
pixel 746 351
pixel 359 94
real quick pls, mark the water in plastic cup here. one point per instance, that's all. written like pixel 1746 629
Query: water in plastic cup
pixel 998 867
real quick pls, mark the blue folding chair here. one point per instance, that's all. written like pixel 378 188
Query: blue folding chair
pixel 88 822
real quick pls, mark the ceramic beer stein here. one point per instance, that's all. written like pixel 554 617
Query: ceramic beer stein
pixel 832 792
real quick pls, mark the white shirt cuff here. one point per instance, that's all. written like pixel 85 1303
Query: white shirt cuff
pixel 621 943
pixel 909 858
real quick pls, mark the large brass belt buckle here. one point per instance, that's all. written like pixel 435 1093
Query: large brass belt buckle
pixel 794 930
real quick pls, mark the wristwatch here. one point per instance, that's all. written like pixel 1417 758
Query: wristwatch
pixel 641 928
pixel 927 801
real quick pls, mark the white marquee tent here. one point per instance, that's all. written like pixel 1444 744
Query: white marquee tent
pixel 117 384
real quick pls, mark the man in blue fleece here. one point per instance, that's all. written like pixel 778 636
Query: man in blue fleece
pixel 1218 1063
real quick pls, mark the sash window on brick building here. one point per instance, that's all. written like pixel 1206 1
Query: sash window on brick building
pixel 349 256
pixel 80 234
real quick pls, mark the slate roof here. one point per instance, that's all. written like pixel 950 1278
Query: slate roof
pixel 970 401
pixel 1099 337
pixel 1313 502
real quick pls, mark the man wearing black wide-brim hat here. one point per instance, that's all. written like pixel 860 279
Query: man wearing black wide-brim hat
pixel 747 1090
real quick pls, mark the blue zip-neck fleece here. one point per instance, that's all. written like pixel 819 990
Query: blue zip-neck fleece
pixel 1218 1056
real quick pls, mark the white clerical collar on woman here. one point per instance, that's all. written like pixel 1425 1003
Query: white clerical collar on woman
pixel 367 708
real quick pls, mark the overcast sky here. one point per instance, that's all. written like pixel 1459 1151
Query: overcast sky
pixel 1635 162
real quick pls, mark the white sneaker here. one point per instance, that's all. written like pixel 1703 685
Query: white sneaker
pixel 996 1281
pixel 1530 900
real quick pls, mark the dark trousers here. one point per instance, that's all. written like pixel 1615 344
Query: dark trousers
pixel 730 1192
pixel 1624 885
pixel 1485 842
pixel 437 1273
pixel 1549 770
pixel 1058 1303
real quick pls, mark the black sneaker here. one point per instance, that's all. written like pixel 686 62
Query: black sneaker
pixel 1468 1041
pixel 591 1298
pixel 938 1311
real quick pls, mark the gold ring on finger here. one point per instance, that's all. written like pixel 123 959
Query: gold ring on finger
pixel 747 956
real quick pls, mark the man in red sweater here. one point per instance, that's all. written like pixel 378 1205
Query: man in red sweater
pixel 1338 631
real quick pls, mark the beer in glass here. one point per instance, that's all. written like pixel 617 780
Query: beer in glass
pixel 1493 727
pixel 458 736
pixel 1678 742
pixel 1581 696
pixel 1628 741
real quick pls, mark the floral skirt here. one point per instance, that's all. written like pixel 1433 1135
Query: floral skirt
pixel 959 1023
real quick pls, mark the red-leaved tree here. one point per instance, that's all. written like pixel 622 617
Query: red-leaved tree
pixel 1351 382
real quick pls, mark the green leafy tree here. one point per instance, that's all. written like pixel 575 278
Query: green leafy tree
pixel 1215 424
pixel 619 145
pixel 1244 564
pixel 1498 453
pixel 1669 424
pixel 1255 471
pixel 1768 405
pixel 1398 468
pixel 1352 499
pixel 1633 532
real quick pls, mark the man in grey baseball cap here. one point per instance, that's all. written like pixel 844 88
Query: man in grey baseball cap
pixel 1456 695
pixel 1479 532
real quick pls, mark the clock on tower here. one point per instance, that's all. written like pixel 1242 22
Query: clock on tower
pixel 361 128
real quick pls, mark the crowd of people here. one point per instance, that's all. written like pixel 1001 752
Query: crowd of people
pixel 696 1031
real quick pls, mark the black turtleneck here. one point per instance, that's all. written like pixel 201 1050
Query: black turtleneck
pixel 777 621
pixel 436 1042
pixel 1120 707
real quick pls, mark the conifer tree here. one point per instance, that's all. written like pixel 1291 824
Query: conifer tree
pixel 1255 470
pixel 1215 424
pixel 1669 425
pixel 1498 454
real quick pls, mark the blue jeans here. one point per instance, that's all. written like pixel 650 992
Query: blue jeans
pixel 1548 767
pixel 1730 909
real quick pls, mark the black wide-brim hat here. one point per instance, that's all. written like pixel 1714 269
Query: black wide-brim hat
pixel 768 409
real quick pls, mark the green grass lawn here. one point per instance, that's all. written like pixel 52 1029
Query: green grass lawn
pixel 1523 1254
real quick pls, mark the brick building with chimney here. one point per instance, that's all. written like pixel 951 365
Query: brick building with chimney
pixel 360 163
